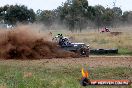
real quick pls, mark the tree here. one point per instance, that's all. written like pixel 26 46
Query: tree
pixel 117 16
pixel 77 14
pixel 73 13
pixel 117 11
pixel 91 13
pixel 18 13
pixel 99 12
pixel 127 17
pixel 46 17
pixel 3 12
pixel 108 17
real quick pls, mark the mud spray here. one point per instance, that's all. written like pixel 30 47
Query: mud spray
pixel 23 42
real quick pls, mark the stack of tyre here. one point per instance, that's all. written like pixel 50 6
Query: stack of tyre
pixel 104 51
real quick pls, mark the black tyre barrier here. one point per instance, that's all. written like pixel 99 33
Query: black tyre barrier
pixel 103 51
pixel 112 51
pixel 85 82
pixel 97 51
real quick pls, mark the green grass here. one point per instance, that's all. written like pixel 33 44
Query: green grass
pixel 12 76
pixel 125 51
pixel 106 41
pixel 103 40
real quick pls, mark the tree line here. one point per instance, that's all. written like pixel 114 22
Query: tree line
pixel 74 14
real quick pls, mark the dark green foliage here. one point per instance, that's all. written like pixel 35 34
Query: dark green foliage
pixel 46 17
pixel 74 14
pixel 17 14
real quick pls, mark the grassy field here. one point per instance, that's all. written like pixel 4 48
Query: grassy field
pixel 60 73
pixel 66 72
pixel 122 41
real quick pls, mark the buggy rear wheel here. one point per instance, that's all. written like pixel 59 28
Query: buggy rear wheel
pixel 83 52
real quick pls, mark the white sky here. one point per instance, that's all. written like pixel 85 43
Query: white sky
pixel 53 4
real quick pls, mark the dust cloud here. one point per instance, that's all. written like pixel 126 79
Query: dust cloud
pixel 29 42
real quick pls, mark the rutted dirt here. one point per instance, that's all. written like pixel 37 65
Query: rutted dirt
pixel 94 62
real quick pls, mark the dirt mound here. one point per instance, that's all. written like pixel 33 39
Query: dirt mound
pixel 115 33
pixel 24 43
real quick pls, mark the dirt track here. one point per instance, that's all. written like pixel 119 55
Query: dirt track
pixel 94 61
pixel 119 61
